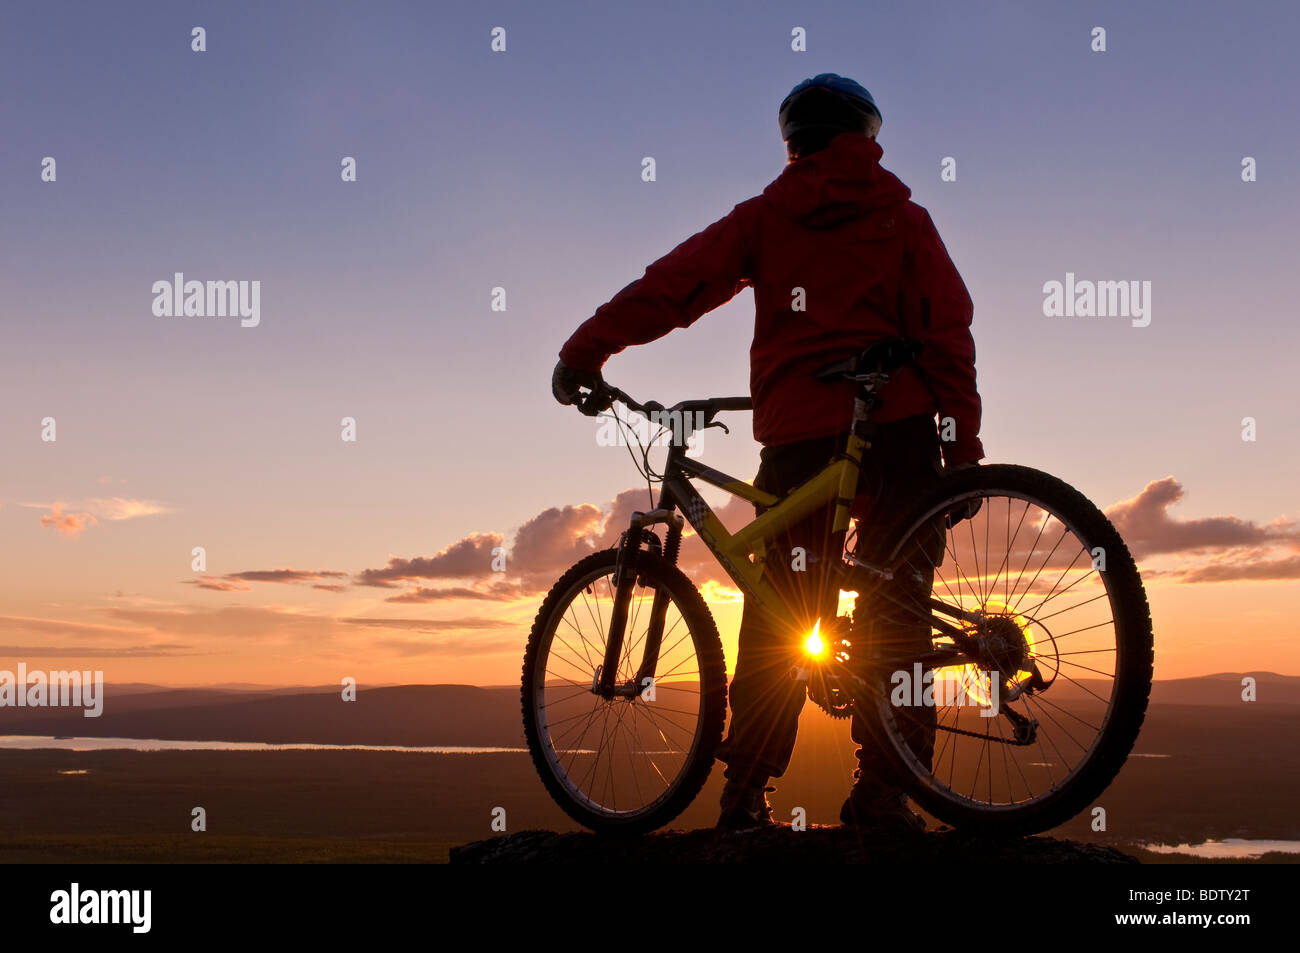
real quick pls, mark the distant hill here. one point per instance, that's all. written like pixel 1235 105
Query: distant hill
pixel 229 688
pixel 1225 688
pixel 425 715
pixel 417 715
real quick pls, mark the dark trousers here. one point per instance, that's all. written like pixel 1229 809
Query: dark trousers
pixel 902 464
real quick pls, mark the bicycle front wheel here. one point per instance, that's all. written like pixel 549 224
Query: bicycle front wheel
pixel 1049 696
pixel 634 762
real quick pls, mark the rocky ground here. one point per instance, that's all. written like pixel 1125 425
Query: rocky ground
pixel 780 845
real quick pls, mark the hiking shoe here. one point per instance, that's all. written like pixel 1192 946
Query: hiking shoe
pixel 744 807
pixel 884 811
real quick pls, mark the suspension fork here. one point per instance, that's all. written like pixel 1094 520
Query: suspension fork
pixel 659 610
pixel 625 580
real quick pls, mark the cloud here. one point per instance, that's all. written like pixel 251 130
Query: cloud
pixel 66 524
pixel 467 558
pixel 91 511
pixel 131 642
pixel 432 625
pixel 56 627
pixel 257 622
pixel 225 623
pixel 497 592
pixel 120 508
pixel 542 548
pixel 283 575
pixel 696 560
pixel 235 581
pixel 218 585
pixel 557 537
pixel 1145 524
pixel 1235 566
pixel 406 647
pixel 161 650
pixel 277 631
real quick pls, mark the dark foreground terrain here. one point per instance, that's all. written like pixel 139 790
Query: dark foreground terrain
pixel 781 845
pixel 1205 766
pixel 374 806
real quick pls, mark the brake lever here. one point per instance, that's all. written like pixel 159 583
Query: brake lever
pixel 594 401
pixel 718 423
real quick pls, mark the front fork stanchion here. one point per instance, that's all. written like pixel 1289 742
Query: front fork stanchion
pixel 658 611
pixel 625 579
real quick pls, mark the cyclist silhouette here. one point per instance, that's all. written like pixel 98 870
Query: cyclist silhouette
pixel 838 257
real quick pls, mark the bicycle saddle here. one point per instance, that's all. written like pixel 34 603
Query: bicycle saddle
pixel 882 357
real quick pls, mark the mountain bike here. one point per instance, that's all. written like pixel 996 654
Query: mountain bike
pixel 1034 606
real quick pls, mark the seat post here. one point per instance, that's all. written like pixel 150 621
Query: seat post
pixel 863 404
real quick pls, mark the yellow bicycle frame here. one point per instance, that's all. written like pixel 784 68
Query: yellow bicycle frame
pixel 743 554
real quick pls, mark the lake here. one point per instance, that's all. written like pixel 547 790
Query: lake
pixel 1229 847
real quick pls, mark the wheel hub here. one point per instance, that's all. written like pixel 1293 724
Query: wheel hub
pixel 1002 646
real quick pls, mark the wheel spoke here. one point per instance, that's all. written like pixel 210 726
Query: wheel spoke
pixel 1031 580
pixel 618 757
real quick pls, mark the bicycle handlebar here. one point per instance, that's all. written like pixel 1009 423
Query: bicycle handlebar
pixel 871 369
pixel 712 405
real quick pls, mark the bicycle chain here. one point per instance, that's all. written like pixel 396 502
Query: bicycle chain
pixel 976 734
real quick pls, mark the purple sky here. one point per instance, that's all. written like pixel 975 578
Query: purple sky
pixel 522 170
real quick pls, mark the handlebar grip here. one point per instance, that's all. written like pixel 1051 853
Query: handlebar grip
pixel 734 403
pixel 595 400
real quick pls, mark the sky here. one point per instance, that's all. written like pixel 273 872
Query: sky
pixel 521 170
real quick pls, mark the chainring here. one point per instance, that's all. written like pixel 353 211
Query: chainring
pixel 829 698
pixel 824 689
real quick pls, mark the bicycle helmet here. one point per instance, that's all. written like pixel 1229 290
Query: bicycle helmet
pixel 820 108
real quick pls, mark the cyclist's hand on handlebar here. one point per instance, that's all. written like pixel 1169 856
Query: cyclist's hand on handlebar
pixel 567 384
pixel 566 380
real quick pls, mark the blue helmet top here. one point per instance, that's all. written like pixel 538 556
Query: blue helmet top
pixel 840 84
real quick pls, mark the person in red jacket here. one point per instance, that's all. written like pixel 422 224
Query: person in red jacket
pixel 838 257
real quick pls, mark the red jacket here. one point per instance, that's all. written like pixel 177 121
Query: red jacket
pixel 871 265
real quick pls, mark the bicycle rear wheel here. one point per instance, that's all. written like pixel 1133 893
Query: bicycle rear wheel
pixel 632 763
pixel 1064 637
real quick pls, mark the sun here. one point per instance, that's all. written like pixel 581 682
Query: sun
pixel 814 645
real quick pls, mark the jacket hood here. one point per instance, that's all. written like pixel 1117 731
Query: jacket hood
pixel 842 181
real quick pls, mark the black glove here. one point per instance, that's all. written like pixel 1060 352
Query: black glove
pixel 566 382
pixel 967 510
